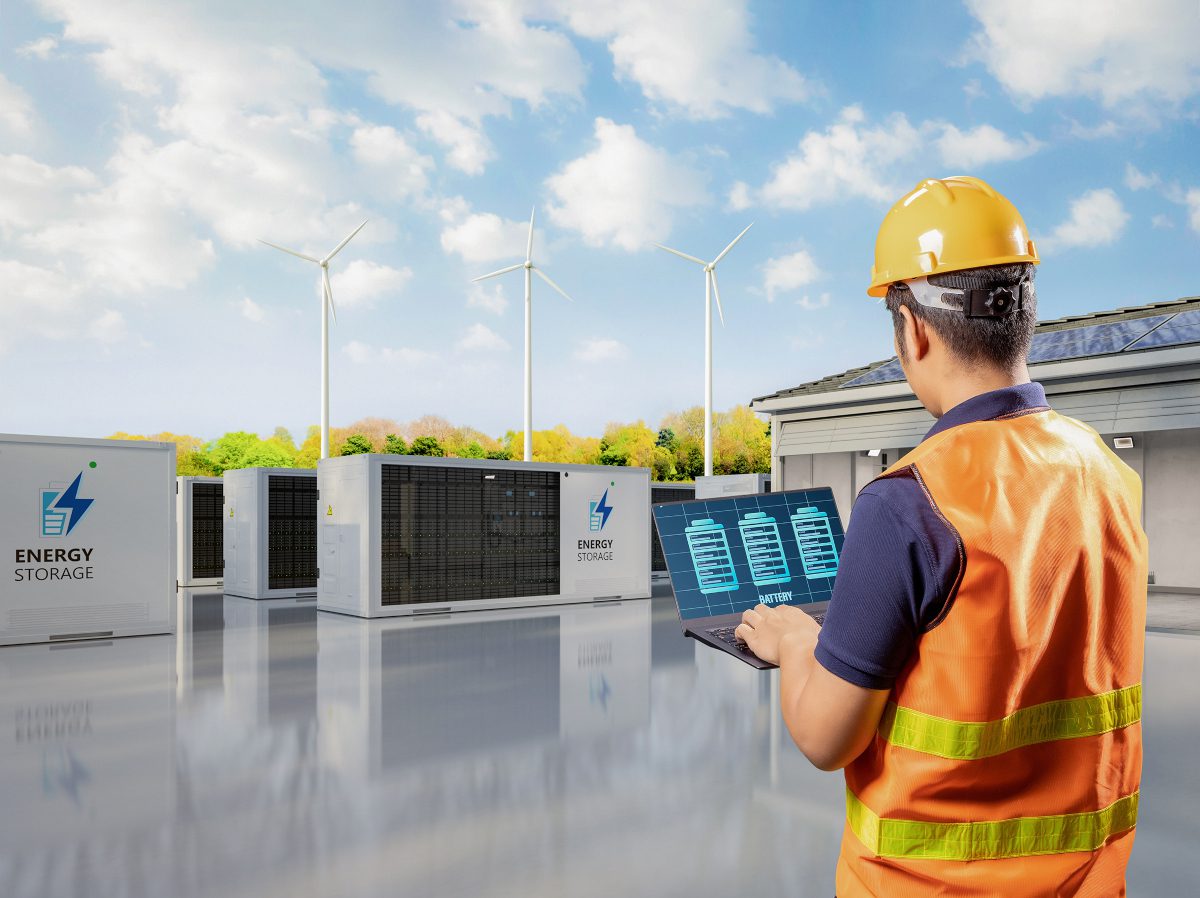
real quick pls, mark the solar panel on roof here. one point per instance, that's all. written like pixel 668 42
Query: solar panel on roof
pixel 887 373
pixel 1183 328
pixel 1097 339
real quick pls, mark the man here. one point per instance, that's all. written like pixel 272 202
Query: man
pixel 978 673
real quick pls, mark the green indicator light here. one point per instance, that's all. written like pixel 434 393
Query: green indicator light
pixel 91 464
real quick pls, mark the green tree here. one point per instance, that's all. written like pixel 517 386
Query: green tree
pixel 240 449
pixel 667 439
pixel 356 444
pixel 691 464
pixel 427 446
pixel 472 450
pixel 395 445
pixel 664 464
pixel 195 464
pixel 500 455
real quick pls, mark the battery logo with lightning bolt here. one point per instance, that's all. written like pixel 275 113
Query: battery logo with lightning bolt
pixel 62 509
pixel 598 513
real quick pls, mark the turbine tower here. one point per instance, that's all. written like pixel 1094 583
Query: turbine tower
pixel 530 270
pixel 327 308
pixel 710 291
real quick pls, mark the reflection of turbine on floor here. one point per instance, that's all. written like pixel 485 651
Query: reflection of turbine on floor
pixel 530 270
pixel 710 292
pixel 326 309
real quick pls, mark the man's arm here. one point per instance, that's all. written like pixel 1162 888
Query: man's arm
pixel 830 720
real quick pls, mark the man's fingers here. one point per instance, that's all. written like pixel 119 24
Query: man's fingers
pixel 751 616
pixel 744 633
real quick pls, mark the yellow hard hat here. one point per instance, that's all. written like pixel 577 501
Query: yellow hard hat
pixel 944 225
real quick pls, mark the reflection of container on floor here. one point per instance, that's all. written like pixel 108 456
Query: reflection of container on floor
pixel 815 539
pixel 764 549
pixel 711 557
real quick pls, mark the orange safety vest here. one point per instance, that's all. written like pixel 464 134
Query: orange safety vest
pixel 1008 759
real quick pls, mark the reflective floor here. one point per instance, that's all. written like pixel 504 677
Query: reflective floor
pixel 582 751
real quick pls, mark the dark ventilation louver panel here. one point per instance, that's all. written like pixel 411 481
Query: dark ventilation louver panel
pixel 291 532
pixel 1096 339
pixel 658 561
pixel 891 372
pixel 207 533
pixel 453 534
pixel 1182 328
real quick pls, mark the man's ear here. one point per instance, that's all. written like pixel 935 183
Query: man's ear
pixel 916 335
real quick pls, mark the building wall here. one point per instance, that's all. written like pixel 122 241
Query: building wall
pixel 1172 479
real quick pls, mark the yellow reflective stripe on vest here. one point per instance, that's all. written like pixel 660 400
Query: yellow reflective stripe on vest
pixel 959 740
pixel 990 840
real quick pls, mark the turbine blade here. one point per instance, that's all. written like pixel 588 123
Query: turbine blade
pixel 717 296
pixel 329 293
pixel 529 245
pixel 539 273
pixel 484 277
pixel 337 249
pixel 732 242
pixel 290 252
pixel 682 255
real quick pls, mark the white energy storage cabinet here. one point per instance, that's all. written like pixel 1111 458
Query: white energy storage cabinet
pixel 199 502
pixel 404 535
pixel 664 492
pixel 718 486
pixel 88 531
pixel 270 534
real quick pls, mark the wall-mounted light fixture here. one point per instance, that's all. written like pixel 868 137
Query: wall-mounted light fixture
pixel 873 453
pixel 1123 442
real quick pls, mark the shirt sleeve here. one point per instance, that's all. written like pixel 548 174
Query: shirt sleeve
pixel 898 568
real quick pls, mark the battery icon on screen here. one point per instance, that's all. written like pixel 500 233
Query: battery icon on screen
pixel 711 558
pixel 815 539
pixel 764 549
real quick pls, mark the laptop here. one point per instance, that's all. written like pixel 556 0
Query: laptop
pixel 727 555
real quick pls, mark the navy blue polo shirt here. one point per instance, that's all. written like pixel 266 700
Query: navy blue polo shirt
pixel 899 562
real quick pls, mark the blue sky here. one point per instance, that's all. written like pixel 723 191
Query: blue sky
pixel 146 146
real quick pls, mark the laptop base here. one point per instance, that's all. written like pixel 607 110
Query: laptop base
pixel 699 628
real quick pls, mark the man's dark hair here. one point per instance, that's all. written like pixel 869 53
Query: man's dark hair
pixel 1000 342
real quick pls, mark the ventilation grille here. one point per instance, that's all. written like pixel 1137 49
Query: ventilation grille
pixel 452 534
pixel 291 532
pixel 78 618
pixel 208 559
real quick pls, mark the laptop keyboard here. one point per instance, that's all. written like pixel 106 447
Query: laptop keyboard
pixel 725 634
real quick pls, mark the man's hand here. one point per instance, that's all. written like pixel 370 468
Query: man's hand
pixel 763 629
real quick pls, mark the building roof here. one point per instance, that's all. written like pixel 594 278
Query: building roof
pixel 887 370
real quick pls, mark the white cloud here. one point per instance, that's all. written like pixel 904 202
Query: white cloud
pixel 1193 203
pixel 809 304
pixel 484 236
pixel 481 338
pixel 470 150
pixel 397 166
pixel 601 349
pixel 782 274
pixel 32 193
pixel 623 193
pixel 364 354
pixel 1138 180
pixel 109 327
pixel 489 298
pixel 848 159
pixel 1126 57
pixel 853 158
pixel 42 48
pixel 1105 129
pixel 982 145
pixel 16 108
pixel 1097 219
pixel 362 281
pixel 1162 221
pixel 697 57
pixel 251 310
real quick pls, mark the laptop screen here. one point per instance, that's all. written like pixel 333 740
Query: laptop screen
pixel 727 555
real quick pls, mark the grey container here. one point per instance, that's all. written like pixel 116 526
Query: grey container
pixel 199 524
pixel 270 532
pixel 88 531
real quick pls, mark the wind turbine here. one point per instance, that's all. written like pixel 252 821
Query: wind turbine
pixel 326 309
pixel 530 270
pixel 710 291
